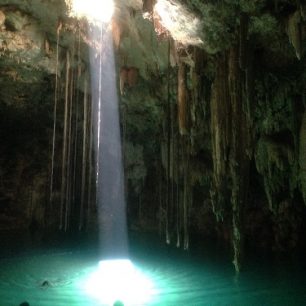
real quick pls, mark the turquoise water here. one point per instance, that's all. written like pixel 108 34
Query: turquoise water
pixel 57 273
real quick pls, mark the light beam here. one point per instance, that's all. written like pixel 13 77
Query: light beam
pixel 93 10
pixel 116 280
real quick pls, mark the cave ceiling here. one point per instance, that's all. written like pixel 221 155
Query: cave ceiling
pixel 29 31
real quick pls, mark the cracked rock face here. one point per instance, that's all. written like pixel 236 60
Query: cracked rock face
pixel 30 31
pixel 26 54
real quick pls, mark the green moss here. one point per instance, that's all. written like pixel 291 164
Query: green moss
pixel 251 7
pixel 134 165
pixel 265 25
pixel 274 160
pixel 273 105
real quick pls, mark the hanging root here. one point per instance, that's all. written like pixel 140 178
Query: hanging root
pixel 64 154
pixel 182 98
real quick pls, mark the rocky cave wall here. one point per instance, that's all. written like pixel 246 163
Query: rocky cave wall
pixel 213 120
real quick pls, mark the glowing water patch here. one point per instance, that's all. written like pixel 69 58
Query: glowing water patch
pixel 119 280
pixel 94 10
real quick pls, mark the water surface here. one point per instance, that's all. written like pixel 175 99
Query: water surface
pixel 55 272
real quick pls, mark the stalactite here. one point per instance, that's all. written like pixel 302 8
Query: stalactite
pixel 90 152
pixel 79 66
pixel 127 78
pixel 98 115
pixel 76 120
pixel 132 76
pixel 295 32
pixel 117 32
pixel 123 79
pixel 184 139
pixel 75 150
pixel 220 135
pixel 235 94
pixel 302 156
pixel 231 147
pixel 124 136
pixel 194 97
pixel 140 205
pixel 160 209
pixel 243 43
pixel 69 155
pixel 54 113
pixel 249 84
pixel 84 157
pixel 239 157
pixel 172 168
pixel 186 190
pixel 182 98
pixel 178 206
pixel 168 149
pixel 71 146
pixel 64 154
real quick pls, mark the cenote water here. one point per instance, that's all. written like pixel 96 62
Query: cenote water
pixel 57 273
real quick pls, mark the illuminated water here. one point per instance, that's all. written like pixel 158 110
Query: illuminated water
pixel 199 278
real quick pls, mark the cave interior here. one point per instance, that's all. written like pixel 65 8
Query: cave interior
pixel 212 102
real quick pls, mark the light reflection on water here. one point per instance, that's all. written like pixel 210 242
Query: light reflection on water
pixel 179 278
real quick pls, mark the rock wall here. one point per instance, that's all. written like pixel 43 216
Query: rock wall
pixel 213 125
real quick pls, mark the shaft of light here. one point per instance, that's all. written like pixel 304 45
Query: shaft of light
pixel 116 279
pixel 93 10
